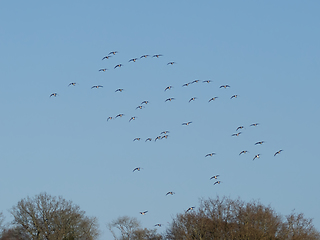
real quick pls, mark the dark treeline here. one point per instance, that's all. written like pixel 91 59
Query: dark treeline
pixel 49 218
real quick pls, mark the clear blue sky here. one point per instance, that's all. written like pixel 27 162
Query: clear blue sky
pixel 268 52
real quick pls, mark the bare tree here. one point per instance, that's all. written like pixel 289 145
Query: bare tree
pixel 130 229
pixel 50 218
pixel 234 219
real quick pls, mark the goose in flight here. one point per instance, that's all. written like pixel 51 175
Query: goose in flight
pixel 254 124
pixel 259 143
pixel 212 99
pixel 186 123
pixel 97 86
pixel 109 118
pixel 207 81
pixel 234 96
pixel 137 139
pixel 53 94
pixel 148 139
pixel 256 156
pixel 157 55
pixel 170 193
pixel 192 99
pixel 278 152
pixel 190 209
pixel 236 134
pixel 168 88
pixel 157 138
pixel 217 182
pixel 119 90
pixel 243 152
pixel 143 213
pixel 133 59
pixel 103 70
pixel 137 169
pixel 210 154
pixel 165 136
pixel 132 118
pixel 224 86
pixel 195 81
pixel 120 115
pixel 118 65
pixel 106 57
pixel 185 85
pixel 144 56
pixel 164 132
pixel 145 102
pixel 140 107
pixel 169 99
pixel 171 63
pixel 114 53
pixel 240 127
pixel 72 84
pixel 214 177
pixel 158 225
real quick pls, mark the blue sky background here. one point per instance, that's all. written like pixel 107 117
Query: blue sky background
pixel 268 52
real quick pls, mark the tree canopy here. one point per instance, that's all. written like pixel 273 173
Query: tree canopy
pixel 44 217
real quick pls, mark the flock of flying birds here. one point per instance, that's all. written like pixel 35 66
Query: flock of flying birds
pixel 164 134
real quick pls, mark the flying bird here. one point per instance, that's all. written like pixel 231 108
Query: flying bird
pixel 132 118
pixel 157 55
pixel 119 90
pixel 240 127
pixel 259 143
pixel 140 107
pixel 169 99
pixel 256 156
pixel 242 152
pixel 103 70
pixel 148 139
pixel 53 94
pixel 278 152
pixel 144 56
pixel 143 213
pixel 171 63
pixel 186 123
pixel 195 81
pixel 109 118
pixel 212 99
pixel 97 86
pixel 185 85
pixel 190 209
pixel 168 88
pixel 164 132
pixel 192 99
pixel 72 84
pixel 137 169
pixel 234 96
pixel 170 193
pixel 217 182
pixel 158 225
pixel 214 177
pixel 254 124
pixel 224 86
pixel 106 57
pixel 119 65
pixel 210 154
pixel 120 115
pixel 114 52
pixel 157 138
pixel 207 81
pixel 236 134
pixel 133 59
pixel 137 139
pixel 145 102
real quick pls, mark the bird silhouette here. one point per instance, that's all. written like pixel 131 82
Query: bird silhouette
pixel 169 99
pixel 97 86
pixel 144 56
pixel 234 96
pixel 192 99
pixel 72 84
pixel 171 63
pixel 210 154
pixel 143 213
pixel 140 107
pixel 114 53
pixel 190 209
pixel 243 152
pixel 217 182
pixel 119 115
pixel 224 86
pixel 212 99
pixel 106 57
pixel 132 118
pixel 157 55
pixel 207 81
pixel 214 177
pixel 119 90
pixel 256 156
pixel 158 225
pixel 170 193
pixel 137 139
pixel 186 123
pixel 137 169
pixel 133 59
pixel 168 88
pixel 164 132
pixel 240 127
pixel 103 70
pixel 118 65
pixel 278 152
pixel 254 124
pixel 259 143
pixel 109 118
pixel 148 139
pixel 236 134
pixel 195 81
